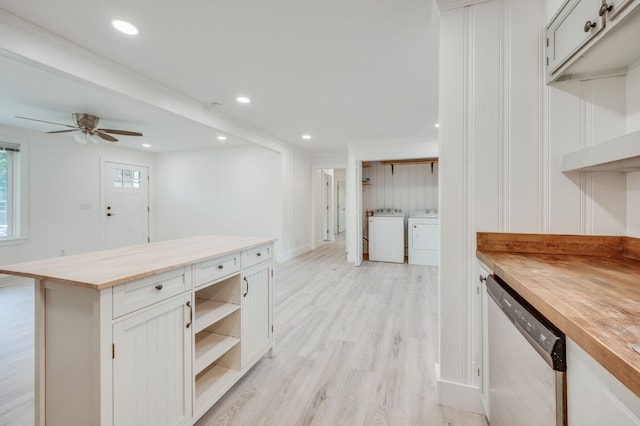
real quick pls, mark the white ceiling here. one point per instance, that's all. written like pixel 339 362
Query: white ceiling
pixel 344 71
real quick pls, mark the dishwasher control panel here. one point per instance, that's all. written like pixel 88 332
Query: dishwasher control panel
pixel 548 341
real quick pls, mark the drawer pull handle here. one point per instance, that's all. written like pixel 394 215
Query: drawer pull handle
pixel 258 254
pixel 221 267
pixel 604 9
pixel 159 287
pixel 190 314
pixel 588 26
pixel 246 292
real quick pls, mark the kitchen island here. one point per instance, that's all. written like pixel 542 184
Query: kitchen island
pixel 588 287
pixel 149 334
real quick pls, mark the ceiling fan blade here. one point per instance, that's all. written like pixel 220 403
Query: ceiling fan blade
pixel 43 121
pixel 120 132
pixel 64 131
pixel 106 136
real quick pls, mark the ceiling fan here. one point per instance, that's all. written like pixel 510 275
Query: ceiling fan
pixel 87 124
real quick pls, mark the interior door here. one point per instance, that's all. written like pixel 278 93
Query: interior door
pixel 126 204
pixel 359 212
pixel 326 179
pixel 342 207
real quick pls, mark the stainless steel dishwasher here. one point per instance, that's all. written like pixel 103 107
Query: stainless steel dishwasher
pixel 527 363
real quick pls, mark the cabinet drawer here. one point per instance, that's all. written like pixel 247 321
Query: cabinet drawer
pixel 147 291
pixel 214 269
pixel 255 255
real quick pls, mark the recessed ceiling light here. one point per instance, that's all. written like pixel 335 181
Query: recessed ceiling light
pixel 222 138
pixel 306 137
pixel 243 99
pixel 437 125
pixel 146 145
pixel 124 27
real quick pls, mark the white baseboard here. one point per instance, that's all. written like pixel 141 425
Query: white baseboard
pixel 459 396
pixel 283 257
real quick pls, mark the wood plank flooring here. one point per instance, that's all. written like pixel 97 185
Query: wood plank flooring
pixel 16 353
pixel 355 346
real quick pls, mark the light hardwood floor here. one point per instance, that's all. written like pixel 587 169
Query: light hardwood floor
pixel 355 346
pixel 16 353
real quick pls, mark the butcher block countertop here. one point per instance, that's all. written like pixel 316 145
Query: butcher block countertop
pixel 107 268
pixel 588 286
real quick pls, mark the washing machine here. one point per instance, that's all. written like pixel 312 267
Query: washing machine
pixel 386 236
pixel 424 237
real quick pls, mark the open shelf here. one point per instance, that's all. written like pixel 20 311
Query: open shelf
pixel 210 347
pixel 213 383
pixel 211 311
pixel 621 154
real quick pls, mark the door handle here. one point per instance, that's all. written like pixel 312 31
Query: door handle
pixel 246 292
pixel 190 314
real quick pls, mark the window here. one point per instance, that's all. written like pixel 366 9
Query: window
pixel 9 190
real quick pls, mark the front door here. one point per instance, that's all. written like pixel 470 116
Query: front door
pixel 126 205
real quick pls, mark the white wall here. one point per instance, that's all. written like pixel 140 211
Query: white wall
pixel 409 186
pixel 633 125
pixel 296 206
pixel 503 132
pixel 393 150
pixel 221 191
pixel 62 175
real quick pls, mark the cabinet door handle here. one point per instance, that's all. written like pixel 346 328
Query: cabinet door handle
pixel 588 26
pixel 159 287
pixel 246 292
pixel 190 314
pixel 604 9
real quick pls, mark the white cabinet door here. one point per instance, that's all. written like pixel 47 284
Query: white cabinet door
pixel 594 396
pixel 256 312
pixel 573 26
pixel 152 366
pixel 618 6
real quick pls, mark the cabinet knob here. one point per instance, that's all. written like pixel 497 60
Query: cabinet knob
pixel 604 9
pixel 159 287
pixel 482 278
pixel 221 267
pixel 588 26
pixel 258 254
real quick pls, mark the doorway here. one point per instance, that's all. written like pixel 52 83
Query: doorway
pixel 126 214
pixel 341 190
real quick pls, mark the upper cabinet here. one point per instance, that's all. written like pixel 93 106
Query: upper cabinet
pixel 592 38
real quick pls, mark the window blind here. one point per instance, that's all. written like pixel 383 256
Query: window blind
pixel 8 146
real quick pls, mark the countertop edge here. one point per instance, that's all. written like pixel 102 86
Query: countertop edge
pixel 20 269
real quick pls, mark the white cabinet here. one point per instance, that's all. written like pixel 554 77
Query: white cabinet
pixel 588 38
pixel 576 24
pixel 257 313
pixel 152 365
pixel 155 346
pixel 481 318
pixel 594 396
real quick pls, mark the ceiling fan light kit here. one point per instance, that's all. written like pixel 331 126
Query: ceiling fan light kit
pixel 87 124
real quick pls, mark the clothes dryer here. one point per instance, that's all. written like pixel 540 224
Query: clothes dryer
pixel 424 237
